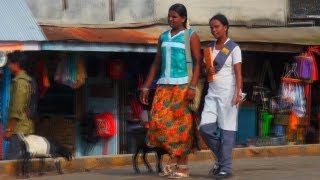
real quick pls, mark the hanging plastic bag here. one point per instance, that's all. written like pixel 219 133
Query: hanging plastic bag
pixel 304 67
pixel 299 103
pixel 311 52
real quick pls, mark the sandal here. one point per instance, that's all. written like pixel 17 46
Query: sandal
pixel 180 175
pixel 168 169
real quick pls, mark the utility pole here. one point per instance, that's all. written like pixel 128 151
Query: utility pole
pixel 111 10
pixel 64 4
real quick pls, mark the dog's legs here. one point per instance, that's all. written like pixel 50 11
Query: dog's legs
pixel 159 161
pixel 146 161
pixel 41 166
pixel 19 169
pixel 23 165
pixel 26 165
pixel 135 161
pixel 57 163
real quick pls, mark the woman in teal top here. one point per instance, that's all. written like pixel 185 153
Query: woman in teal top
pixel 171 120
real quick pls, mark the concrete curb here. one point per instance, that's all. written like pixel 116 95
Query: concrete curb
pixel 100 162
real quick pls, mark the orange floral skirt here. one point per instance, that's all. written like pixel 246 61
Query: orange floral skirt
pixel 171 125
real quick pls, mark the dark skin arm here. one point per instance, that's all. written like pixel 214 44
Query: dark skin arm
pixel 196 54
pixel 237 97
pixel 154 71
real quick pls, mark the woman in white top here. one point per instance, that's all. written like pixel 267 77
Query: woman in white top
pixel 219 117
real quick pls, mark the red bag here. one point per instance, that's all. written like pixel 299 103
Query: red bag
pixel 105 124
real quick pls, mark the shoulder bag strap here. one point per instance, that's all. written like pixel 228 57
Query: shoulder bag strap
pixel 223 55
pixel 188 53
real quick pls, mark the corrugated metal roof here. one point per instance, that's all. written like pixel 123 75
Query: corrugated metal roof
pixel 17 22
pixel 150 34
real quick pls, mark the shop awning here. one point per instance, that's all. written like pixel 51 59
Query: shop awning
pixel 19 46
pixel 148 36
pixel 17 22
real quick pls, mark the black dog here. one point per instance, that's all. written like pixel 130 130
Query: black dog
pixel 52 150
pixel 139 132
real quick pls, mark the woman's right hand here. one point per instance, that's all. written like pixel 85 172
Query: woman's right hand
pixel 144 95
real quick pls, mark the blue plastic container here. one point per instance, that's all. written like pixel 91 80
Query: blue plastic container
pixel 247 124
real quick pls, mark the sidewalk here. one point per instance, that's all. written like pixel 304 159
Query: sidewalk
pixel 275 168
pixel 103 162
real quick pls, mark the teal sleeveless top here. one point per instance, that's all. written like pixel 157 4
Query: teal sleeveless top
pixel 173 64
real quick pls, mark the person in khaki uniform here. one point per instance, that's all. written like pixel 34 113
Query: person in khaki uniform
pixel 20 96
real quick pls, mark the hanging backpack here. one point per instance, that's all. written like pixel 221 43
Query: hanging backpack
pixel 105 124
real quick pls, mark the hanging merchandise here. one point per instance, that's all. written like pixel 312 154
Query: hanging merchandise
pixel 71 71
pixel 292 95
pixel 106 126
pixel 117 69
pixel 304 67
pixel 307 64
pixel 42 78
pixel 312 51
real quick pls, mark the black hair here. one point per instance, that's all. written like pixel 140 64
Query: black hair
pixel 222 18
pixel 181 10
pixel 18 57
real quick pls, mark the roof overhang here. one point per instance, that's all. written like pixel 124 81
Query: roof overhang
pixel 251 39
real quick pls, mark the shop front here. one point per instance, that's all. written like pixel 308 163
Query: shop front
pixel 280 87
pixel 266 60
pixel 87 72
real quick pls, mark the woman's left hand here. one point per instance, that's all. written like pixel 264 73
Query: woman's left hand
pixel 191 94
pixel 236 100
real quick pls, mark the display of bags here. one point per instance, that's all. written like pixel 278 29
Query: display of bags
pixel 71 71
pixel 292 94
pixel 304 67
pixel 307 64
pixel 311 52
